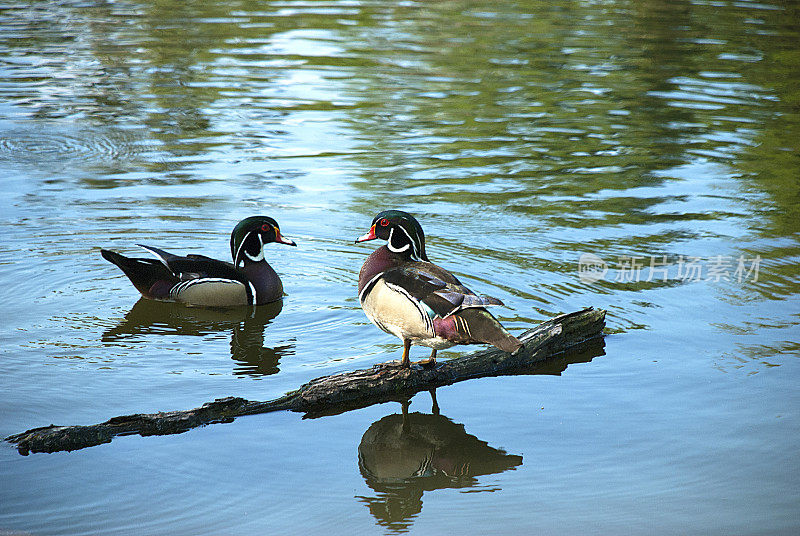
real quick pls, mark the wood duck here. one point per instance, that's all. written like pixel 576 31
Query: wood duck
pixel 404 294
pixel 201 280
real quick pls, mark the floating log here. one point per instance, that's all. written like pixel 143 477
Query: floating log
pixel 337 393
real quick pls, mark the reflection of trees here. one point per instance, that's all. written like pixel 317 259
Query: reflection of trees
pixel 246 325
pixel 198 75
pixel 466 96
pixel 771 163
pixel 499 105
pixel 501 108
pixel 167 68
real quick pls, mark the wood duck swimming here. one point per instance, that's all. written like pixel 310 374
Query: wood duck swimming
pixel 201 280
pixel 404 294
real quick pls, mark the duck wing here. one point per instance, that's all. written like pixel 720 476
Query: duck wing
pixel 441 297
pixel 194 266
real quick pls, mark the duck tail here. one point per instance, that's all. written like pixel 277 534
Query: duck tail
pixel 143 273
pixel 484 327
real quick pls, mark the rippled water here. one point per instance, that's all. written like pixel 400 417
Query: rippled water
pixel 660 137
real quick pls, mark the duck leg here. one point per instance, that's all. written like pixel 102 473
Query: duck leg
pixel 404 361
pixel 431 361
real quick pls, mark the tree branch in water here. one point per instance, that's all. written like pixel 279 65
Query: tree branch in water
pixel 337 393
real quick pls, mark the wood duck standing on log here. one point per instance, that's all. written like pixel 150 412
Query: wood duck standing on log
pixel 406 295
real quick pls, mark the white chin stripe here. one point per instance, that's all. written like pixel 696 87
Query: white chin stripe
pixel 394 249
pixel 398 250
pixel 260 256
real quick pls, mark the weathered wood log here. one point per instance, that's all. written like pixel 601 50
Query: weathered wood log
pixel 337 393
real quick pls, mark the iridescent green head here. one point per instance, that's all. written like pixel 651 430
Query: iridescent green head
pixel 251 235
pixel 402 232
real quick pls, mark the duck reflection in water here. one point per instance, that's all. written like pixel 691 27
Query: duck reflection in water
pixel 403 455
pixel 246 325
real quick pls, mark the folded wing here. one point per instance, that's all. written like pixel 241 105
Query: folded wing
pixel 441 297
pixel 196 266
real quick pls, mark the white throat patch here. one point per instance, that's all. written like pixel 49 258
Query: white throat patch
pixel 409 244
pixel 391 246
pixel 257 258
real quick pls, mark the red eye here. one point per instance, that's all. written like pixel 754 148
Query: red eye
pixel 384 222
pixel 266 227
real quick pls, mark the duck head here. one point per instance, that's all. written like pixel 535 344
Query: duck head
pixel 251 235
pixel 402 232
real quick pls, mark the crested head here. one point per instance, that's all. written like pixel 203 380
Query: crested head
pixel 402 232
pixel 251 235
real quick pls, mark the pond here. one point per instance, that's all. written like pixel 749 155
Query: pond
pixel 640 157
